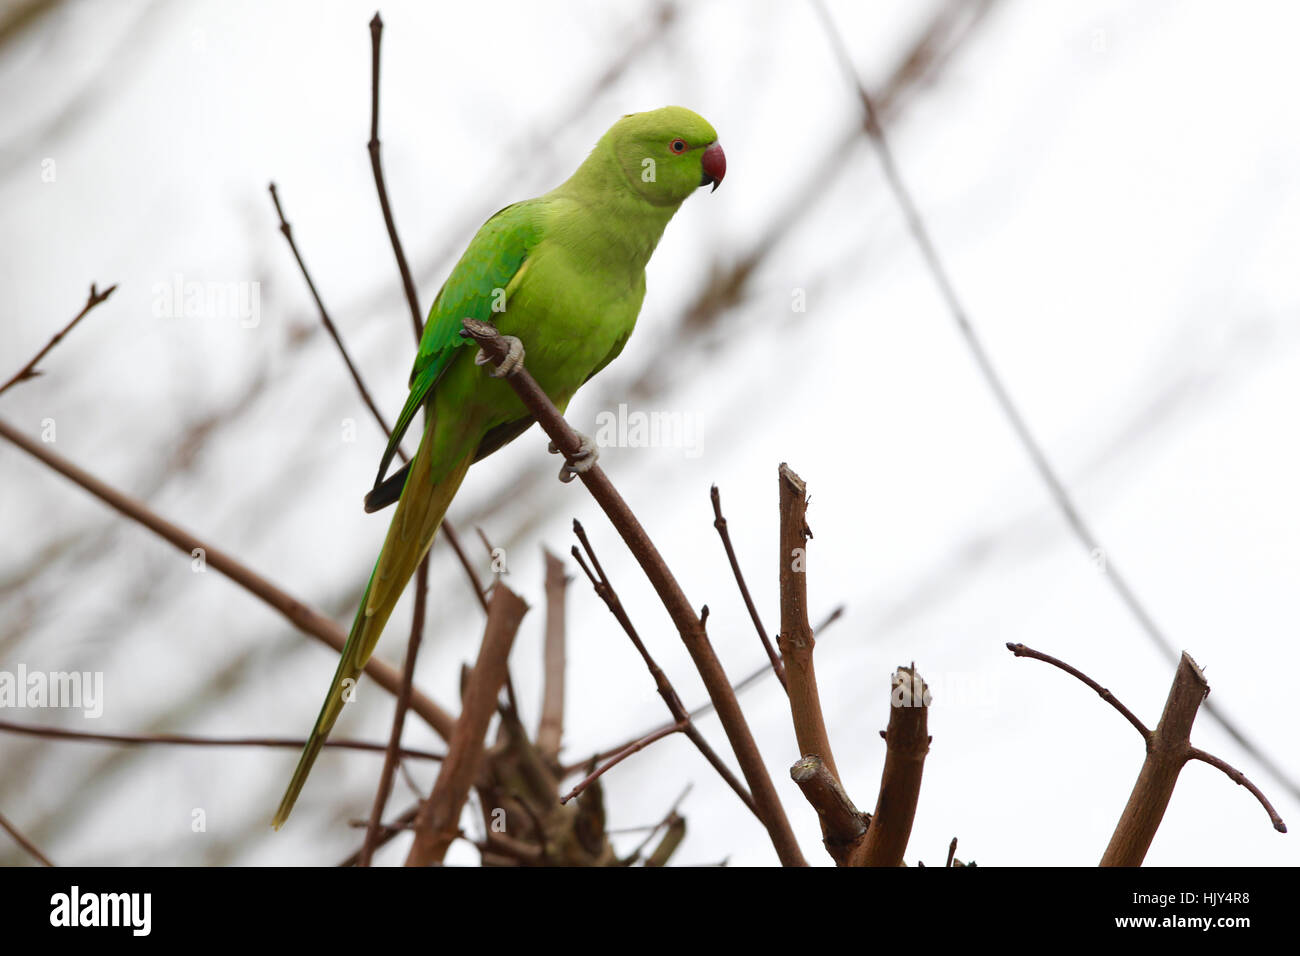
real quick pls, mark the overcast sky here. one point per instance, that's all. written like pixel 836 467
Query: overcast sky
pixel 1114 187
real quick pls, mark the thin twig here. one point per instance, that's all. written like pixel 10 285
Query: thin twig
pixel 720 523
pixel 30 370
pixel 707 707
pixel 688 624
pixel 681 719
pixel 635 747
pixel 22 841
pixel 190 740
pixel 1237 777
pixel 304 618
pixel 287 231
pixel 1020 650
pixel 1168 749
pixel 399 713
pixel 1055 485
pixel 377 167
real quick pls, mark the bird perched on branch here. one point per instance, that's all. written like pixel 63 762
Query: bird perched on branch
pixel 565 273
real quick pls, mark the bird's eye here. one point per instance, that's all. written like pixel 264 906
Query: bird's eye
pixel 678 146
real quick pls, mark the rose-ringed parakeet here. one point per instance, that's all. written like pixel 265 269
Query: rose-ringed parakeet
pixel 563 273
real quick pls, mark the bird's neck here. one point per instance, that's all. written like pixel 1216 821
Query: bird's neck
pixel 623 227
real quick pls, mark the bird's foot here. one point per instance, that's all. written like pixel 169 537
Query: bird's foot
pixel 514 358
pixel 579 464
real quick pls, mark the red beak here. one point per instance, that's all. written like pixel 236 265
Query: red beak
pixel 714 162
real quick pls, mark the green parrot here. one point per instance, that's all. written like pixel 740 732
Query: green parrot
pixel 564 273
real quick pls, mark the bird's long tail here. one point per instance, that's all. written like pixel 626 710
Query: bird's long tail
pixel 419 513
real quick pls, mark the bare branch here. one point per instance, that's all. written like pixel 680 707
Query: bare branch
pixel 30 370
pixel 304 618
pixel 436 825
pixel 1237 777
pixel 377 167
pixel 1020 650
pixel 550 726
pixel 689 625
pixel 21 840
pixel 1167 751
pixel 842 823
pixel 191 740
pixel 796 640
pixel 907 742
pixel 720 523
pixel 681 719
pixel 399 713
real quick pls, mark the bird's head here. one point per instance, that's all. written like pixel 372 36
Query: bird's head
pixel 666 154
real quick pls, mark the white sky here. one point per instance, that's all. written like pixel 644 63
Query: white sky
pixel 1114 187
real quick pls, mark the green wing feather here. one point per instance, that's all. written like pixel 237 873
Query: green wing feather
pixel 480 282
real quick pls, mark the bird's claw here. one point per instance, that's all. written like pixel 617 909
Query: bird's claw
pixel 579 464
pixel 514 358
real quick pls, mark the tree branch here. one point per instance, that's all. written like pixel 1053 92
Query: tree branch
pixel 436 825
pixel 1168 750
pixel 304 618
pixel 681 719
pixel 550 726
pixel 842 823
pixel 21 840
pixel 796 640
pixel 720 523
pixel 377 167
pixel 907 742
pixel 191 740
pixel 689 625
pixel 399 714
pixel 30 370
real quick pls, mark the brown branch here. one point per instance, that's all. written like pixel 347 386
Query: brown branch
pixel 399 714
pixel 30 370
pixel 635 747
pixel 681 719
pixel 550 726
pixel 796 640
pixel 1020 650
pixel 377 167
pixel 21 840
pixel 842 823
pixel 1168 750
pixel 907 742
pixel 668 845
pixel 436 825
pixel 287 230
pixel 720 523
pixel 670 593
pixel 190 740
pixel 387 831
pixel 707 706
pixel 304 618
pixel 1239 778
pixel 1060 494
